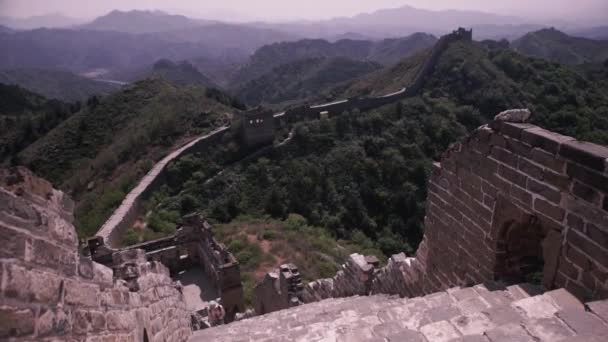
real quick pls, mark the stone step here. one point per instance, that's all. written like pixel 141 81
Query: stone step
pixel 488 312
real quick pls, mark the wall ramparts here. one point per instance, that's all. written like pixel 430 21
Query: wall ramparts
pixel 49 293
pixel 509 193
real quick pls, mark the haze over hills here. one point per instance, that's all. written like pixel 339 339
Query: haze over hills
pixel 56 84
pixel 52 20
pixel 302 79
pixel 557 46
pixel 385 51
pixel 142 22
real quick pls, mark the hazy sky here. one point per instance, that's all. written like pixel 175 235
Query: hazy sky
pixel 308 9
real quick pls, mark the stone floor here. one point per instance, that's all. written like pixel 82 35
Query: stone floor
pixel 198 290
pixel 481 313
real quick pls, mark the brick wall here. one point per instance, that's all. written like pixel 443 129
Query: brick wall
pixel 506 194
pixel 48 292
pixel 505 186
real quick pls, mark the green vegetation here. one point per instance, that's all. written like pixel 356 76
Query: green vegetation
pixel 263 244
pixel 367 172
pixel 25 117
pixel 302 79
pixel 558 46
pixel 99 153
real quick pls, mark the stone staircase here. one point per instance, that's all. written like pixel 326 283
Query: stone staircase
pixel 489 312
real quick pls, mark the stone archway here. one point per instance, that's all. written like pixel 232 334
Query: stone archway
pixel 519 253
pixel 527 250
pixel 146 338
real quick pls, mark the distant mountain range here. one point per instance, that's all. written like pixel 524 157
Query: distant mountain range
pixel 557 46
pixel 302 79
pixel 142 22
pixel 386 51
pixel 53 20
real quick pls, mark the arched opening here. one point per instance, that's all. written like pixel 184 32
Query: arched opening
pixel 146 339
pixel 520 257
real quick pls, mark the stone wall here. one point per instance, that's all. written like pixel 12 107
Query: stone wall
pixel 192 246
pixel 506 199
pixel 49 293
pixel 280 289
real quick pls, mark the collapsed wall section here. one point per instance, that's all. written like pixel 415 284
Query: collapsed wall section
pixel 49 292
pixel 512 202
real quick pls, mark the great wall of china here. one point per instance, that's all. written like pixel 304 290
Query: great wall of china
pixel 508 202
pixel 125 216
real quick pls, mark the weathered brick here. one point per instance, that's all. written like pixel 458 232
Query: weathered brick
pixel 513 129
pixel 88 321
pixel 598 254
pixel 578 258
pixel 83 294
pixel 16 322
pixel 53 256
pixel 600 236
pixel 548 209
pixel 542 189
pixel 522 195
pixel 548 160
pixel 120 320
pixel 530 169
pixel 504 156
pixel 519 148
pixel 512 175
pixel 589 177
pixel 575 222
pixel 568 269
pixel 589 154
pixel 12 242
pixel 546 140
pixel 54 322
pixel 557 180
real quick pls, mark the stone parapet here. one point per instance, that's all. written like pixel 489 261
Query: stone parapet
pixel 48 292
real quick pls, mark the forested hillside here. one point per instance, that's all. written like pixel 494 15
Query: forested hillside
pixel 367 172
pixel 100 152
pixel 386 51
pixel 560 47
pixel 302 79
pixel 25 117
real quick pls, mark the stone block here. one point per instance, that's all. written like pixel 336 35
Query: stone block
pixel 504 156
pixel 53 256
pixel 548 160
pixel 16 322
pixel 548 209
pixel 586 193
pixel 81 294
pixel 513 129
pixel 599 308
pixel 501 315
pixel 55 322
pixel 120 321
pixel 547 191
pixel 548 329
pixel 583 322
pixel 546 140
pixel 441 331
pixel 407 335
pixel 565 300
pixel 595 252
pixel 591 178
pixel 85 268
pixel 589 154
pixel 12 242
pixel 472 324
pixel 536 307
pixel 509 333
pixel 530 169
pixel 512 175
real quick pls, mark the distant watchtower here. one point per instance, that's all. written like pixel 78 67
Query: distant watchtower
pixel 463 34
pixel 255 127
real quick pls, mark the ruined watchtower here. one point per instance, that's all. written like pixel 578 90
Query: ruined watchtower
pixel 255 127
